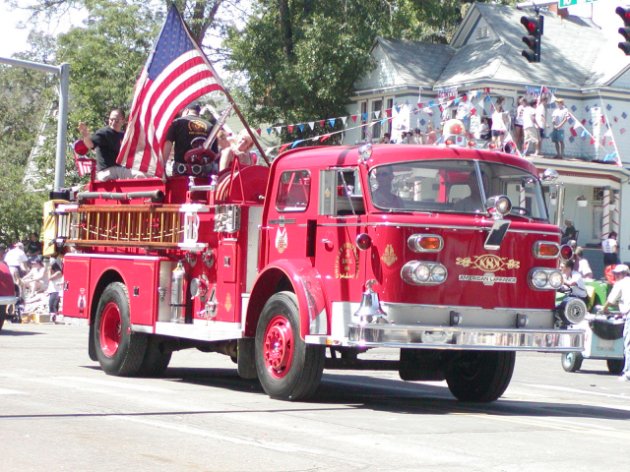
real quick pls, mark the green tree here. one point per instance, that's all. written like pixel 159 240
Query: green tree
pixel 301 57
pixel 24 101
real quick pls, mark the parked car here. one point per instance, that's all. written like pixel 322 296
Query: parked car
pixel 7 294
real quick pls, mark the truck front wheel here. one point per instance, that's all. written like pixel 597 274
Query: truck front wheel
pixel 3 315
pixel 480 376
pixel 287 367
pixel 118 349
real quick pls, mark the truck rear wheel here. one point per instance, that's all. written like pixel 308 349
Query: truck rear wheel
pixel 118 350
pixel 156 358
pixel 287 367
pixel 3 315
pixel 480 376
pixel 572 361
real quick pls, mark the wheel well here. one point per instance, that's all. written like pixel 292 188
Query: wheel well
pixel 271 282
pixel 106 279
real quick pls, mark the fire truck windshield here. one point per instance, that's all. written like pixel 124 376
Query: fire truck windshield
pixel 455 186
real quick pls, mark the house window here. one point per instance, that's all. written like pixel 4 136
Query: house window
pixel 482 32
pixel 390 106
pixel 363 107
pixel 377 115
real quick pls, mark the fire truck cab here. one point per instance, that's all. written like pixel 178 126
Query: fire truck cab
pixel 444 254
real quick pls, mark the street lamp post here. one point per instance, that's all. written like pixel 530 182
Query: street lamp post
pixel 63 71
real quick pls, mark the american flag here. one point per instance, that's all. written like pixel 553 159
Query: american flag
pixel 176 73
pixel 84 165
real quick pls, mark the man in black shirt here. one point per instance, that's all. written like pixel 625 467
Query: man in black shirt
pixel 188 132
pixel 106 144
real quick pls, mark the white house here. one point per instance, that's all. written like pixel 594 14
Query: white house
pixel 415 84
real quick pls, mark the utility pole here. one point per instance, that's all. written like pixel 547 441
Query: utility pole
pixel 63 71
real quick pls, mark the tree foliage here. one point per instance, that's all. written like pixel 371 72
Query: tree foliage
pixel 301 58
pixel 24 96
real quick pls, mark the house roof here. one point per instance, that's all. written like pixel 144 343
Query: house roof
pixel 415 61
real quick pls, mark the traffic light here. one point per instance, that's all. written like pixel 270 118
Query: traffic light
pixel 534 27
pixel 624 45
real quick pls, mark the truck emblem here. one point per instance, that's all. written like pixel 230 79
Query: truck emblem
pixel 488 262
pixel 347 262
pixel 389 256
pixel 281 240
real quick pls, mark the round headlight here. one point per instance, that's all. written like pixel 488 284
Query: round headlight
pixel 539 279
pixel 438 274
pixel 555 279
pixel 422 273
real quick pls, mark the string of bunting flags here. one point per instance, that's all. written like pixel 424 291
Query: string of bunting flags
pixel 468 104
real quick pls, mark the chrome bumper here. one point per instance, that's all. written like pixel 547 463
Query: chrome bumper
pixel 8 300
pixel 434 337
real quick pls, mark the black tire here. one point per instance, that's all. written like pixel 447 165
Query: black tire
pixel 3 315
pixel 615 366
pixel 288 368
pixel 572 361
pixel 156 358
pixel 118 349
pixel 480 376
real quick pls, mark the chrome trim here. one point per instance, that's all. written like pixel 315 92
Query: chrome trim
pixel 111 256
pixel 411 242
pixel 416 225
pixel 538 255
pixel 8 300
pixel 446 337
pixel 202 330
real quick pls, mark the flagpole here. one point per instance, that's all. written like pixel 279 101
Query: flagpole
pixel 224 89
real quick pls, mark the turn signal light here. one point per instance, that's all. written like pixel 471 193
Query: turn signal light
pixel 425 243
pixel 546 250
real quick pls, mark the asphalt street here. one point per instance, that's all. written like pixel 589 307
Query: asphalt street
pixel 60 412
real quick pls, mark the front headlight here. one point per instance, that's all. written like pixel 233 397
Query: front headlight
pixel 423 273
pixel 542 278
pixel 539 279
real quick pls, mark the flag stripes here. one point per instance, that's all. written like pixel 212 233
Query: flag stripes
pixel 176 74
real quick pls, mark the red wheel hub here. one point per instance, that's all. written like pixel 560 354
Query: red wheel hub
pixel 278 346
pixel 110 329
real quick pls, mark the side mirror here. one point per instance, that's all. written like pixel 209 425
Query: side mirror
pixel 549 176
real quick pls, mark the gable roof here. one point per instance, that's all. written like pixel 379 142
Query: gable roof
pixel 416 61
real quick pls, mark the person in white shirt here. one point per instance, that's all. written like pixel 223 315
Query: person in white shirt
pixel 584 268
pixel 620 295
pixel 16 259
pixel 573 281
pixel 518 122
pixel 558 119
pixel 37 278
pixel 609 248
pixel 531 135
pixel 541 120
pixel 499 124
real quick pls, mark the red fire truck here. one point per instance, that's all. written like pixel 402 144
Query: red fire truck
pixel 444 254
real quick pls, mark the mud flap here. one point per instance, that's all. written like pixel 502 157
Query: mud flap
pixel 245 362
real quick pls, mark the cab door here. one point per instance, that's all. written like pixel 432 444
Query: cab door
pixel 341 218
pixel 288 224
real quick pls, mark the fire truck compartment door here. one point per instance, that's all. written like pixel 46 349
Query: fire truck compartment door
pixel 77 290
